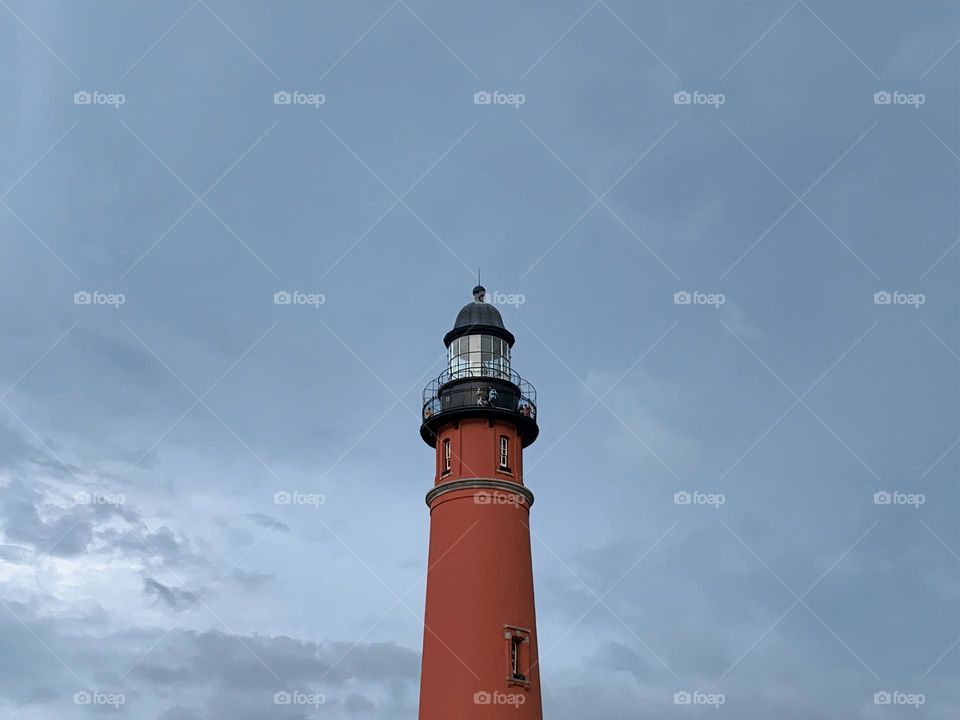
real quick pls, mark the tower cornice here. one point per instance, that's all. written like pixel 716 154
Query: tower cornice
pixel 479 484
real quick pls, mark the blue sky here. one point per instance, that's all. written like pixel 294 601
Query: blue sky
pixel 145 433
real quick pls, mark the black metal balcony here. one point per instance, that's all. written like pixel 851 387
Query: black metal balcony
pixel 485 391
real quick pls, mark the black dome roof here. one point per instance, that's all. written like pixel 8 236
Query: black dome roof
pixel 478 313
pixel 478 317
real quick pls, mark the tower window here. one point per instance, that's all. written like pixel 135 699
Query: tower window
pixel 504 452
pixel 515 673
pixel 518 656
pixel 446 455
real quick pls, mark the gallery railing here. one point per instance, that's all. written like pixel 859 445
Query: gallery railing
pixel 479 387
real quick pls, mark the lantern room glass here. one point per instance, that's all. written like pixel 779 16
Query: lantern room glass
pixel 479 356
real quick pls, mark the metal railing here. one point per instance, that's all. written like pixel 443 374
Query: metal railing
pixel 522 400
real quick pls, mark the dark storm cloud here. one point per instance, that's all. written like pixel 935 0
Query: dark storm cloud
pixel 15 449
pixel 170 596
pixel 222 675
pixel 70 533
pixel 162 547
pixel 72 525
pixel 181 598
pixel 266 521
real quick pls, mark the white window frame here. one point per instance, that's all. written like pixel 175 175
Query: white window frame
pixel 504 452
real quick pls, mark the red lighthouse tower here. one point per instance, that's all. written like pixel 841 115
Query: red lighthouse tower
pixel 480 637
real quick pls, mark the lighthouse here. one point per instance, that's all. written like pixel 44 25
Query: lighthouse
pixel 480 635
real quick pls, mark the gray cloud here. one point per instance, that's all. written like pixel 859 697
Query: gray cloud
pixel 266 521
pixel 70 533
pixel 214 674
pixel 171 597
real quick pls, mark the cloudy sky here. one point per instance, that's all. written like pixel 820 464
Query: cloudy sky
pixel 147 423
